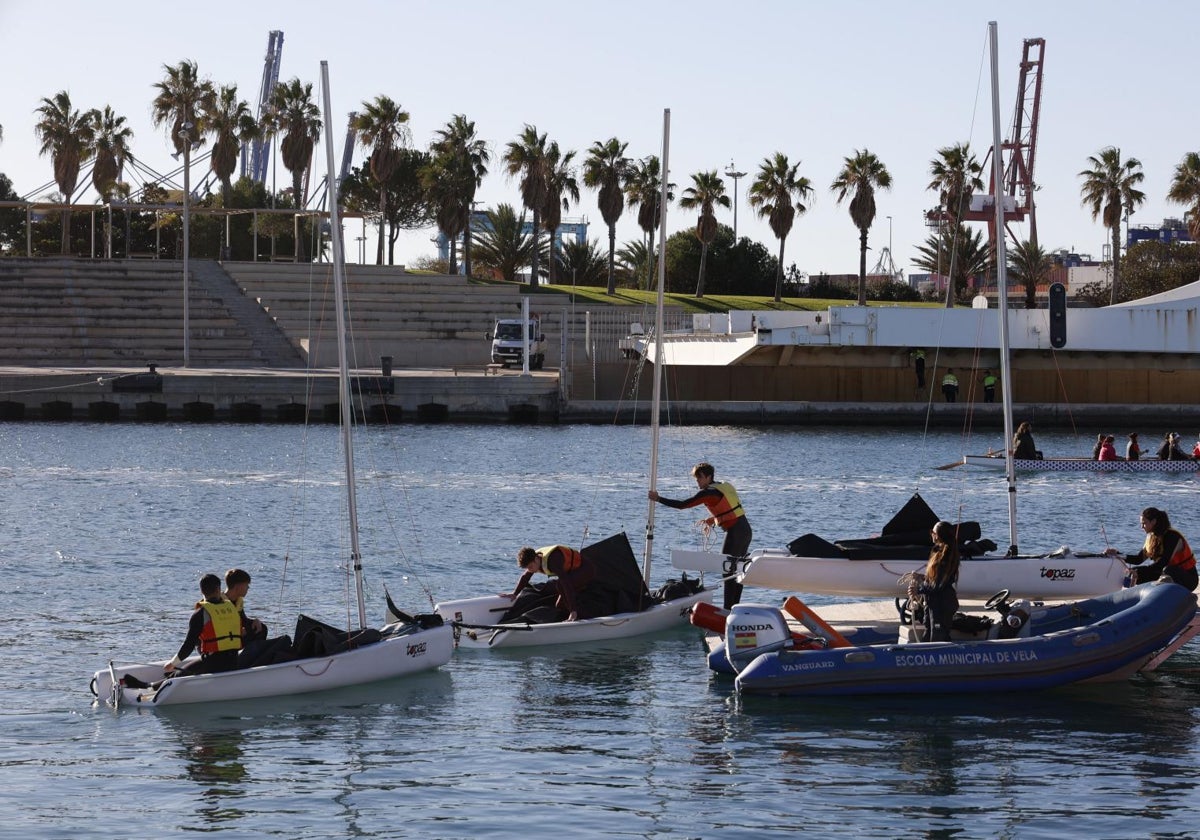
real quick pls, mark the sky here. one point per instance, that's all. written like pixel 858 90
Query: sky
pixel 813 79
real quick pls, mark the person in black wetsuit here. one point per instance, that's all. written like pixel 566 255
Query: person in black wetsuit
pixel 726 511
pixel 937 584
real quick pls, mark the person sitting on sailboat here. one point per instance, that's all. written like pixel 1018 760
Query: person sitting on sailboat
pixel 723 503
pixel 936 586
pixel 1166 549
pixel 570 569
pixel 216 628
pixel 1133 451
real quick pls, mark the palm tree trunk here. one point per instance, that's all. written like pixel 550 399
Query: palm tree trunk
pixel 553 253
pixel 650 259
pixel 382 222
pixel 862 266
pixel 779 271
pixel 703 260
pixel 612 247
pixel 1116 256
pixel 467 247
pixel 66 232
pixel 533 269
pixel 453 255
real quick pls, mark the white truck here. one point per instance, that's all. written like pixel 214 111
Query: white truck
pixel 507 337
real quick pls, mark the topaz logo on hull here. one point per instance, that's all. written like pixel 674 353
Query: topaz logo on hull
pixel 1058 574
pixel 416 650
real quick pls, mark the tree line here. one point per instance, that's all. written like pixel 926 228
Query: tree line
pixel 402 188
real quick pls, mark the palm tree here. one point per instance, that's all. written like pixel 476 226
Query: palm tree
pixel 110 145
pixel 503 245
pixel 955 175
pixel 605 170
pixel 1110 191
pixel 463 157
pixel 179 103
pixel 861 174
pixel 777 193
pixel 958 253
pixel 561 189
pixel 526 157
pixel 382 126
pixel 643 188
pixel 231 123
pixel 1185 189
pixel 583 262
pixel 1029 265
pixel 294 113
pixel 707 190
pixel 442 181
pixel 67 136
pixel 633 260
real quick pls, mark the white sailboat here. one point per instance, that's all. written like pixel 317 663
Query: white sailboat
pixel 405 646
pixel 475 619
pixel 872 567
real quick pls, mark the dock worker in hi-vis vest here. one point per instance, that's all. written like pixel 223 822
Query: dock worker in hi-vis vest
pixel 725 509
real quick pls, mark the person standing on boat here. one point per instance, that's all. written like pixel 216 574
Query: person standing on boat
pixel 1023 446
pixel 726 511
pixel 1133 451
pixel 1166 549
pixel 570 570
pixel 950 386
pixel 936 586
pixel 216 628
pixel 989 386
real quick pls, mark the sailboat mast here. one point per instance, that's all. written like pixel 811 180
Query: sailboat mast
pixel 656 400
pixel 339 296
pixel 1002 294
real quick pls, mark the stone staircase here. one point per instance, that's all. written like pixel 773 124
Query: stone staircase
pixel 116 313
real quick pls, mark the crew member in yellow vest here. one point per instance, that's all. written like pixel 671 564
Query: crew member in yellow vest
pixel 216 628
pixel 950 386
pixel 570 570
pixel 237 585
pixel 725 509
pixel 918 357
pixel 989 386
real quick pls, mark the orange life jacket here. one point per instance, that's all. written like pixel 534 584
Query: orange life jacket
pixel 726 509
pixel 560 559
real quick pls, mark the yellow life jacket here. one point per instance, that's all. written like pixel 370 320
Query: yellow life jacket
pixel 223 630
pixel 950 379
pixel 568 559
pixel 728 508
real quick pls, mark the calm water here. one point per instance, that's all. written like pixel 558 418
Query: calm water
pixel 107 529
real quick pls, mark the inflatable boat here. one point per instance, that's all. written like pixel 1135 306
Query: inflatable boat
pixel 1032 646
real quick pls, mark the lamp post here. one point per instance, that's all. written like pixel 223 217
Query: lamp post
pixel 185 133
pixel 732 172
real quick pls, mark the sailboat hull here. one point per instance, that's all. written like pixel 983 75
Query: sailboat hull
pixel 476 629
pixel 394 656
pixel 1054 577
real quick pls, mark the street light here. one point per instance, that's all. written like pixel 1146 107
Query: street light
pixel 732 172
pixel 185 133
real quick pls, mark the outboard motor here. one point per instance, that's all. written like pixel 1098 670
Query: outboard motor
pixel 1016 616
pixel 754 629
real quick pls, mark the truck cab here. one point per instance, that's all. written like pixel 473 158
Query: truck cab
pixel 507 337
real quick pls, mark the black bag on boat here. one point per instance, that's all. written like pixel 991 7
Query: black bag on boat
pixel 673 589
pixel 315 638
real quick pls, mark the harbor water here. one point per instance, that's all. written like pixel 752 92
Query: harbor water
pixel 107 528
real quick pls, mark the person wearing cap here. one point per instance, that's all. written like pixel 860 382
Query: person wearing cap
pixel 1166 549
pixel 1108 450
pixel 936 585
pixel 1170 451
pixel 1133 451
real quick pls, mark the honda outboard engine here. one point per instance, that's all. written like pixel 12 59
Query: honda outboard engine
pixel 753 629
